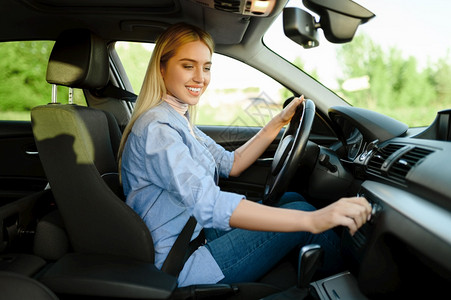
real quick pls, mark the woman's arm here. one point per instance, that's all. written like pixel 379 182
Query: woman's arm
pixel 248 153
pixel 349 212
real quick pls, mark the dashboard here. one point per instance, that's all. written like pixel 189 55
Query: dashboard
pixel 405 249
pixel 354 143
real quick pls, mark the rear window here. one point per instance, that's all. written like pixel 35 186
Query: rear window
pixel 22 79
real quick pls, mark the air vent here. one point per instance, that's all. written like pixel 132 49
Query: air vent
pixel 399 169
pixel 379 157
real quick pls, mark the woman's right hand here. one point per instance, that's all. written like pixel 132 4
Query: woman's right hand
pixel 349 212
pixel 288 112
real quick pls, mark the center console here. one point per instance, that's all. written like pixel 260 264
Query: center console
pixel 403 252
pixel 340 286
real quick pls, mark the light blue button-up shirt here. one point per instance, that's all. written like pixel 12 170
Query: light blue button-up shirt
pixel 168 175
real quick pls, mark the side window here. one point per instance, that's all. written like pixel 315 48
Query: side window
pixel 238 95
pixel 22 79
pixel 134 58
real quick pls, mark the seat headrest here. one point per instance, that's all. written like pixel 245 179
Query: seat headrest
pixel 79 59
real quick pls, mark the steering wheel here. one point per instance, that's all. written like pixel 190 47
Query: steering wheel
pixel 289 152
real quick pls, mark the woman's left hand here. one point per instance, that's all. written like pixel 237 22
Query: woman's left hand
pixel 248 153
pixel 288 112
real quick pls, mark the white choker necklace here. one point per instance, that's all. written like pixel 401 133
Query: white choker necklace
pixel 176 104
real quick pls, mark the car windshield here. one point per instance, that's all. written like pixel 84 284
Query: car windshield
pixel 399 63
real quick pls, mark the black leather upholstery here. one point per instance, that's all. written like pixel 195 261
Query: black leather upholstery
pixel 75 149
pixel 79 59
pixel 50 241
pixel 18 287
pixel 77 146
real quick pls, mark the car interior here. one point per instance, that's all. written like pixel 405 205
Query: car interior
pixel 67 233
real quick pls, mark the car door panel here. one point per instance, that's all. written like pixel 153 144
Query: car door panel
pixel 252 181
pixel 21 172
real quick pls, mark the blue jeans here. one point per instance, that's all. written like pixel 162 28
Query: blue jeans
pixel 245 256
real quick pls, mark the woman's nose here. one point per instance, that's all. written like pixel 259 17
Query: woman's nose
pixel 198 75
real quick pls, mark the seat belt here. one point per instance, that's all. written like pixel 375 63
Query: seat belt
pixel 182 248
pixel 112 91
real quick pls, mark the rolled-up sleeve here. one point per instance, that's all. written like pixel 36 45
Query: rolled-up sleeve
pixel 171 166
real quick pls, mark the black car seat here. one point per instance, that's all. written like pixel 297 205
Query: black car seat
pixel 75 148
pixel 113 252
pixel 15 286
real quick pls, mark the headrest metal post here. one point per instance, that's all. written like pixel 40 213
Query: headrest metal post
pixel 54 94
pixel 71 95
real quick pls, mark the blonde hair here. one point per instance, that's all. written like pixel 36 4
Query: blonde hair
pixel 153 88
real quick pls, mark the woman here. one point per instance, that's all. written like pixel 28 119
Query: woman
pixel 169 171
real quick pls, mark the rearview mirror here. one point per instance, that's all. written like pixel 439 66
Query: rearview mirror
pixel 300 26
pixel 339 20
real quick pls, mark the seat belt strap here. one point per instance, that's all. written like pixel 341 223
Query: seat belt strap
pixel 183 246
pixel 110 90
pixel 182 249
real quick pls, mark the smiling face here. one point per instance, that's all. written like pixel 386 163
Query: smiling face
pixel 187 74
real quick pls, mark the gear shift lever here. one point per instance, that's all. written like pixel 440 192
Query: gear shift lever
pixel 310 259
